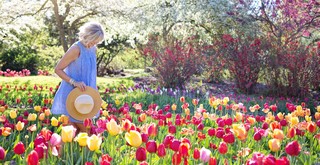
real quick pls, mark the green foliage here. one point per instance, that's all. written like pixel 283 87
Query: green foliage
pixel 130 59
pixel 49 57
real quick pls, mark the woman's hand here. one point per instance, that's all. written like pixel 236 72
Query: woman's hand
pixel 81 85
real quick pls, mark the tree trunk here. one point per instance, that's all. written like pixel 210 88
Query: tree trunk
pixel 59 22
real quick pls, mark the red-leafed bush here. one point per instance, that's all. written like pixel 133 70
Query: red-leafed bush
pixel 175 60
pixel 242 57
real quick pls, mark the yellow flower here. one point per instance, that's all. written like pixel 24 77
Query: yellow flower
pixel 278 134
pixel 6 131
pixel 113 127
pixel 299 108
pixel 225 100
pixel 205 115
pixel 294 121
pixel 240 131
pixel 41 116
pixel 94 142
pixel 64 119
pixel 174 107
pixel 32 117
pixel 82 139
pixel 37 108
pixel 280 116
pixel 67 133
pixel 105 113
pixel 274 145
pixel 251 120
pixel 117 101
pixel 54 122
pixel 317 116
pixel 308 118
pixel 318 108
pixel 133 138
pixel 13 114
pixel 238 116
pixel 187 111
pixel 19 126
pixel 104 105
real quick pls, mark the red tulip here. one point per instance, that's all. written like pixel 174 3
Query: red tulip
pixel 152 130
pixel 19 148
pixel 211 132
pixel 196 154
pixel 184 149
pixel 2 153
pixel 39 140
pixel 283 161
pixel 151 146
pixel 33 158
pixel 168 140
pixel 293 148
pixel 223 148
pixel 200 126
pixel 269 160
pixel 229 138
pixel 311 127
pixel 88 163
pixel 141 154
pixel 144 137
pixel 40 150
pixel 213 161
pixel 221 123
pixel 176 158
pixel 257 136
pixel 143 163
pixel 161 150
pixel 219 133
pixel 87 123
pixel 175 145
pixel 283 122
pixel 265 126
pixel 172 129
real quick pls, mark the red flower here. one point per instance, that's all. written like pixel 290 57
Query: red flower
pixel 141 154
pixel 293 148
pixel 168 140
pixel 196 154
pixel 211 132
pixel 106 157
pixel 269 160
pixel 223 148
pixel 2 153
pixel 213 161
pixel 176 158
pixel 228 138
pixel 311 127
pixel 143 163
pixel 151 146
pixel 283 161
pixel 88 163
pixel 257 136
pixel 184 149
pixel 87 123
pixel 152 130
pixel 144 137
pixel 172 129
pixel 33 158
pixel 161 150
pixel 175 145
pixel 19 148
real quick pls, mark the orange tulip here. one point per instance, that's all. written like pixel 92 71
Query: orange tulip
pixel 64 119
pixel 47 112
pixel 277 134
pixel 251 120
pixel 41 116
pixel 312 127
pixel 240 131
pixel 174 107
pixel 317 116
pixel 275 125
pixel 126 125
pixel 19 126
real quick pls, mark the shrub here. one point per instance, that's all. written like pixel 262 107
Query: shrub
pixel 175 61
pixel 242 57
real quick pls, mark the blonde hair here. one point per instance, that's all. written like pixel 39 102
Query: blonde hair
pixel 91 31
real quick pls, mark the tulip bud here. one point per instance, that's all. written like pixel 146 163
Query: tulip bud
pixel 161 150
pixel 257 136
pixel 223 148
pixel 19 148
pixel 293 148
pixel 172 129
pixel 2 153
pixel 175 145
pixel 151 146
pixel 141 154
pixel 196 154
pixel 211 132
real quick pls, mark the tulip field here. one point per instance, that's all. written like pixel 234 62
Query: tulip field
pixel 145 125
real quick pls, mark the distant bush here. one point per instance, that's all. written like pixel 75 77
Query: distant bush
pixel 49 57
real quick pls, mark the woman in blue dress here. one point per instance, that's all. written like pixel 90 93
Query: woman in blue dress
pixel 77 69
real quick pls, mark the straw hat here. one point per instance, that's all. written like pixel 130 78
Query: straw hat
pixel 81 105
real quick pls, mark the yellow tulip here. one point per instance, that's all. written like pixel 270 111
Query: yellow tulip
pixel 54 122
pixel 13 114
pixel 113 127
pixel 205 115
pixel 299 108
pixel 67 133
pixel 82 139
pixel 318 108
pixel 19 126
pixel 117 101
pixel 274 145
pixel 6 131
pixel 32 117
pixel 133 138
pixel 239 116
pixel 294 121
pixel 37 108
pixel 308 118
pixel 105 113
pixel 280 116
pixel 104 105
pixel 251 120
pixel 94 142
pixel 225 100
pixel 187 111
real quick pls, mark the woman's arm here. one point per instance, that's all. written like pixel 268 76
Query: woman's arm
pixel 71 55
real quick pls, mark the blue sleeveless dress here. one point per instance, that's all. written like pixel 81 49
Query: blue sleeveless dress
pixel 82 69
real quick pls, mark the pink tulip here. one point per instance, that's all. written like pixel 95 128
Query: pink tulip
pixel 205 154
pixel 55 139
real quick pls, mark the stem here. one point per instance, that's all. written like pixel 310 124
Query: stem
pixel 71 151
pixel 82 161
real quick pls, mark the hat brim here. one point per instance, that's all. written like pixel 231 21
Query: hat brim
pixel 77 92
